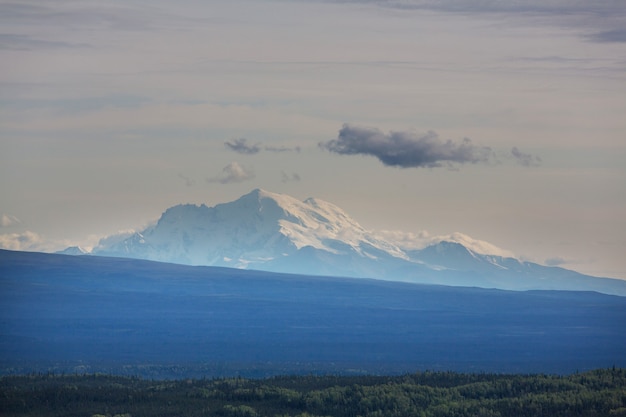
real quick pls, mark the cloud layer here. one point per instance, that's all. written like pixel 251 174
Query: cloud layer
pixel 616 35
pixel 406 149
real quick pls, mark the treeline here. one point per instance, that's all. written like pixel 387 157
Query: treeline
pixel 424 394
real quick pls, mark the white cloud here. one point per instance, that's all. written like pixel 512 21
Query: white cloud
pixel 233 173
pixel 7 220
pixel 28 241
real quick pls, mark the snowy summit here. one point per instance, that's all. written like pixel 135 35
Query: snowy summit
pixel 258 228
pixel 275 232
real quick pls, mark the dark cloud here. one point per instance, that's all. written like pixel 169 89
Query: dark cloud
pixel 609 36
pixel 525 159
pixel 241 146
pixel 233 173
pixel 406 149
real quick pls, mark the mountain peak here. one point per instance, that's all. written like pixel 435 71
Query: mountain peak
pixel 257 228
pixel 260 193
pixel 265 198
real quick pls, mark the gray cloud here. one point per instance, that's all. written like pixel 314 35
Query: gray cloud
pixel 525 159
pixel 544 7
pixel 288 178
pixel 73 105
pixel 406 149
pixel 617 35
pixel 188 181
pixel 556 59
pixel 232 173
pixel 26 43
pixel 83 14
pixel 241 146
pixel 606 17
pixel 282 149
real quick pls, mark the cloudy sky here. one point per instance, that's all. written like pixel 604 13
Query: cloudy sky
pixel 501 119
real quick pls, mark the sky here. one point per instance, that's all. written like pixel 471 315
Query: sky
pixel 502 120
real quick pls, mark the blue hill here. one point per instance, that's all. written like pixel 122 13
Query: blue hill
pixel 129 315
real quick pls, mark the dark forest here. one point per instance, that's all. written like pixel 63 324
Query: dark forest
pixel 423 394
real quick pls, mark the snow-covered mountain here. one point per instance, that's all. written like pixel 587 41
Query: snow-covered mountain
pixel 254 230
pixel 275 232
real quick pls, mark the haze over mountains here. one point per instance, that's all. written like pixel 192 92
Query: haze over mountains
pixel 274 232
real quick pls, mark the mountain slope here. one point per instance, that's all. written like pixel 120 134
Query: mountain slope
pixel 274 232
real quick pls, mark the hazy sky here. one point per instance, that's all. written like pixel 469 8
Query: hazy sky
pixel 504 120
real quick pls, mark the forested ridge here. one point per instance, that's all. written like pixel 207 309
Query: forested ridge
pixel 594 393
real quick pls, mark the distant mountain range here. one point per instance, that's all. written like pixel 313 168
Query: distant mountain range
pixel 275 232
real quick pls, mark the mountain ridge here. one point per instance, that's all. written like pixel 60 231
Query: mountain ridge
pixel 279 233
